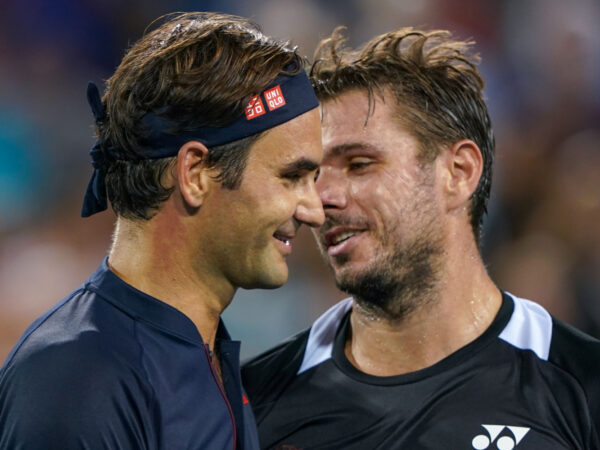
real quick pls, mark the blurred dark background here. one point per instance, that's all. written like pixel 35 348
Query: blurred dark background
pixel 541 61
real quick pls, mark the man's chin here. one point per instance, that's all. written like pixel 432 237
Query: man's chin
pixel 274 279
pixel 274 284
pixel 346 278
pixel 268 276
pixel 349 269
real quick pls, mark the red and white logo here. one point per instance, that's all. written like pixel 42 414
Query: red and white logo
pixel 274 98
pixel 255 108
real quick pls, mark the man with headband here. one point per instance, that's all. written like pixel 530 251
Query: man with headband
pixel 208 147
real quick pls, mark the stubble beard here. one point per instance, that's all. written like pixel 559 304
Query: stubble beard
pixel 399 282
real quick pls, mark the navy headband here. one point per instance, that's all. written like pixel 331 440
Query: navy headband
pixel 286 98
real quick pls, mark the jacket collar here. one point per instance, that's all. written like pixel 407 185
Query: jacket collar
pixel 146 308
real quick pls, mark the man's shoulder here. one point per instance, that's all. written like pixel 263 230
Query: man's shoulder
pixel 70 380
pixel 268 374
pixel 81 332
pixel 281 361
pixel 577 353
pixel 70 363
pixel 70 393
pixel 577 356
pixel 304 348
pixel 532 327
pixel 569 357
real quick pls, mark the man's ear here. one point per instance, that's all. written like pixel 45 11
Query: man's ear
pixel 464 166
pixel 193 175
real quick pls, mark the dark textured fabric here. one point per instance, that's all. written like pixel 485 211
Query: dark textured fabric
pixel 489 394
pixel 113 368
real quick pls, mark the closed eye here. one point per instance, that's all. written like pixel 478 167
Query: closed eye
pixel 296 177
pixel 300 169
pixel 359 163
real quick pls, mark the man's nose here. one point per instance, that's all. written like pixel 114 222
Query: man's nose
pixel 310 209
pixel 331 186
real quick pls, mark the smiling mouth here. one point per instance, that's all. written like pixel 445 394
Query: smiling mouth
pixel 338 235
pixel 342 237
pixel 286 240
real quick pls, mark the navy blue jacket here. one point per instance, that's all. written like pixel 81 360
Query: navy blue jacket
pixel 110 367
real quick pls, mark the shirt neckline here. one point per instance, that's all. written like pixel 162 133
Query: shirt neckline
pixel 143 307
pixel 452 360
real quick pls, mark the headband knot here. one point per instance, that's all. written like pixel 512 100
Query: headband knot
pixel 100 157
pixel 95 196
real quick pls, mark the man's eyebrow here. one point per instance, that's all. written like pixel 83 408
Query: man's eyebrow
pixel 342 149
pixel 300 165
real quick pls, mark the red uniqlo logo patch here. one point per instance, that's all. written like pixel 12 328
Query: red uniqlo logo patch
pixel 274 98
pixel 255 108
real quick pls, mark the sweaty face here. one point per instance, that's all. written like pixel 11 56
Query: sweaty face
pixel 252 227
pixel 382 234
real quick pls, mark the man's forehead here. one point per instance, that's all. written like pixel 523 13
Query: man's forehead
pixel 354 102
pixel 351 118
pixel 296 142
pixel 358 110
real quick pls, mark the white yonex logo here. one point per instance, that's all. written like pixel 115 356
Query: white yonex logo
pixel 482 441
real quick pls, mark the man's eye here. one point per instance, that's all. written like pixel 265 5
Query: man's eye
pixel 294 176
pixel 301 176
pixel 359 163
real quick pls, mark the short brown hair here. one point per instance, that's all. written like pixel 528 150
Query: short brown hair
pixel 437 88
pixel 194 70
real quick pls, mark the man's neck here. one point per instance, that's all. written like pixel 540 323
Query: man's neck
pixel 154 263
pixel 463 305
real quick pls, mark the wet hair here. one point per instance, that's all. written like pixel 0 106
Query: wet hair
pixel 436 86
pixel 194 70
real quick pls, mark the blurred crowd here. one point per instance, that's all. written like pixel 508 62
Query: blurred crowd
pixel 541 62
